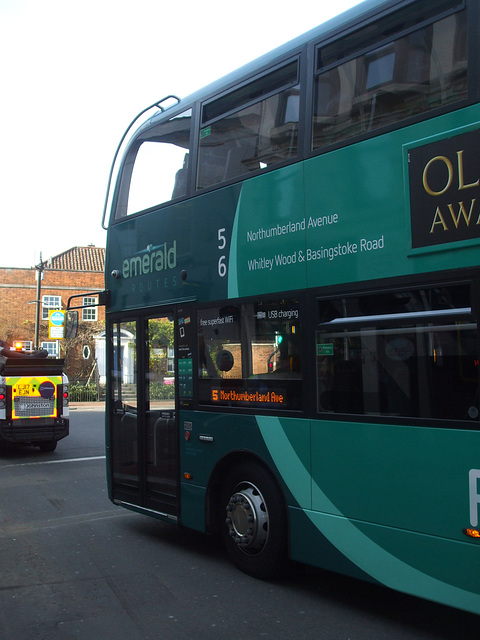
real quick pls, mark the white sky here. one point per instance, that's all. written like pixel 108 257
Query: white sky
pixel 73 76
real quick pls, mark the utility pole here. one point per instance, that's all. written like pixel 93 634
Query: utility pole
pixel 39 276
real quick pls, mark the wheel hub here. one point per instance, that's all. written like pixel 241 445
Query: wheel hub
pixel 247 519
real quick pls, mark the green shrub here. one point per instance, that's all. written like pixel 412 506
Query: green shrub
pixel 79 392
pixel 160 391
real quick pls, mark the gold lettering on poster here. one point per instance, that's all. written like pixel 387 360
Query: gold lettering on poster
pixel 461 213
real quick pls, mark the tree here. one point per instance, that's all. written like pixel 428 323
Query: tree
pixel 160 333
pixel 76 366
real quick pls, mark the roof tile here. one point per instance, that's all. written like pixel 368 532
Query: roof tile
pixel 89 258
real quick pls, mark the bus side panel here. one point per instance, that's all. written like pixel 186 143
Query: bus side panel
pixel 390 518
pixel 433 568
pixel 378 512
pixel 193 506
pixel 360 472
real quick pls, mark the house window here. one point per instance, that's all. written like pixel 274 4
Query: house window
pixel 50 302
pixel 52 348
pixel 90 311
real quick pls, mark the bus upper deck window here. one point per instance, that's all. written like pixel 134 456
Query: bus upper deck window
pixel 156 167
pixel 250 128
pixel 410 75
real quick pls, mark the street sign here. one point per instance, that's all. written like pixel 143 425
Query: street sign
pixel 56 324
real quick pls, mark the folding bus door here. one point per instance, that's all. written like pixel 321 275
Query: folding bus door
pixel 143 417
pixel 123 420
pixel 161 447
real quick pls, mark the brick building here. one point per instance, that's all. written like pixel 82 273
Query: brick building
pixel 74 272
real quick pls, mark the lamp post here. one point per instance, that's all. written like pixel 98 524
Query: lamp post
pixel 39 275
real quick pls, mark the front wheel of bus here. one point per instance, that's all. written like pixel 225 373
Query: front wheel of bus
pixel 254 524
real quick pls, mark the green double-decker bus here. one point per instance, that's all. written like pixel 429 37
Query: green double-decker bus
pixel 293 277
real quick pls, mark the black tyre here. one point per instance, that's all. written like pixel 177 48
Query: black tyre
pixel 48 445
pixel 253 521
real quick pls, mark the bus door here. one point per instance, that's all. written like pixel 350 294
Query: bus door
pixel 143 417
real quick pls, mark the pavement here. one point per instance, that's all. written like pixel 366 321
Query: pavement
pixel 87 406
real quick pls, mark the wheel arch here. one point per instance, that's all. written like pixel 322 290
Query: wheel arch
pixel 220 472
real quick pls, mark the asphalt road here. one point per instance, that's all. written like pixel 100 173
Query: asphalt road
pixel 75 567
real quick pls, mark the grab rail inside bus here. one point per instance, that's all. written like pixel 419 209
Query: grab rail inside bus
pixel 409 315
pixel 157 104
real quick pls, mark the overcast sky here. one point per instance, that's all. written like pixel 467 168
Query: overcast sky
pixel 74 74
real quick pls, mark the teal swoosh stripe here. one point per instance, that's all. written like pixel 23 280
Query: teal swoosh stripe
pixel 344 535
pixel 232 261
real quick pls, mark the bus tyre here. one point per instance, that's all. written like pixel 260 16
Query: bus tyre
pixel 254 526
